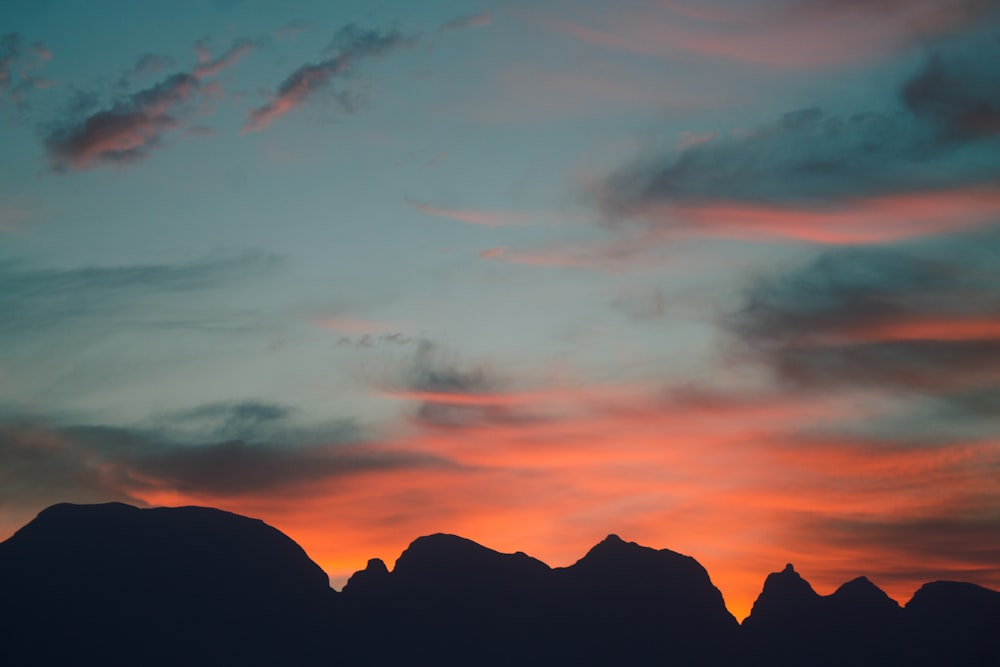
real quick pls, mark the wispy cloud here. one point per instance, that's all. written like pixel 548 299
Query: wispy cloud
pixel 350 45
pixel 39 300
pixel 479 20
pixel 799 34
pixel 483 217
pixel 19 69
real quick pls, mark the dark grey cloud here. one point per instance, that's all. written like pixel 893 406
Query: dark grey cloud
pixel 920 317
pixel 959 93
pixel 370 340
pixel 433 370
pixel 135 124
pixel 42 463
pixel 349 45
pixel 807 155
pixel 451 393
pixel 244 420
pixel 939 132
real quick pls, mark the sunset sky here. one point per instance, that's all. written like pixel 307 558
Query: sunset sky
pixel 720 277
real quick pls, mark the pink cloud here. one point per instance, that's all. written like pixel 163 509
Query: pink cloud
pixel 491 253
pixel 352 326
pixel 787 35
pixel 485 218
pixel 124 133
pixel 351 44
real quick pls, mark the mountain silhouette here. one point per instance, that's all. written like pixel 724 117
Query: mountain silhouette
pixel 114 585
pixel 949 618
pixel 118 585
pixel 791 624
pixel 623 603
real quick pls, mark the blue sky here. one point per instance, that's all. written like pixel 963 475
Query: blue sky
pixel 529 272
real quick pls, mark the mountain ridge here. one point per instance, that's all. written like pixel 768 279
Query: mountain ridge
pixel 193 585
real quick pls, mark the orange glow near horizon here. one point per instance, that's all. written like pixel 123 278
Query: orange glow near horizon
pixel 742 484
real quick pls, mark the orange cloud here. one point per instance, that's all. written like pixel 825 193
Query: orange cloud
pixel 862 220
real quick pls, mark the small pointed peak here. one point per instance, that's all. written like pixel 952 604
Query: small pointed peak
pixel 789 569
pixel 614 539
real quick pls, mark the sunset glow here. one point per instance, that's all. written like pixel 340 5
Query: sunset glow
pixel 717 277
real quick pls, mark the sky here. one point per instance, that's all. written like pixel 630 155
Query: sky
pixel 718 277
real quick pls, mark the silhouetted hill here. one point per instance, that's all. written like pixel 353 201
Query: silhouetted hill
pixel 186 585
pixel 451 601
pixel 954 623
pixel 448 601
pixel 114 585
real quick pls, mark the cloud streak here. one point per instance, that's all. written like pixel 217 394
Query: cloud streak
pixel 921 318
pixel 19 65
pixel 39 300
pixel 350 45
pixel 481 217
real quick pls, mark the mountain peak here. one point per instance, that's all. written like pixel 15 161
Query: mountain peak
pixel 785 594
pixel 374 576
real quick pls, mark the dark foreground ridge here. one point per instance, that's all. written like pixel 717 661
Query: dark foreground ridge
pixel 115 585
